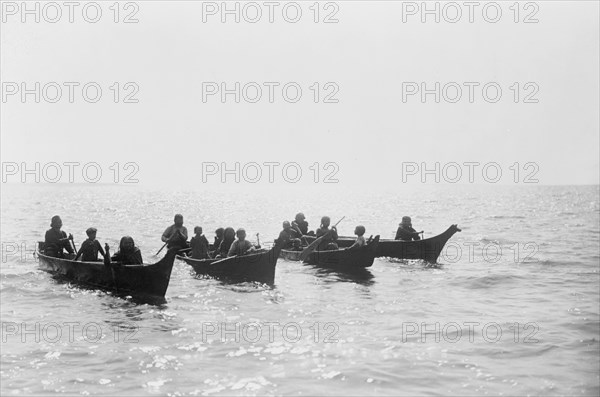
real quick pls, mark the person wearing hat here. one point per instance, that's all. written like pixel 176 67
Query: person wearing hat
pixel 90 247
pixel 406 232
pixel 56 240
pixel 241 246
pixel 300 223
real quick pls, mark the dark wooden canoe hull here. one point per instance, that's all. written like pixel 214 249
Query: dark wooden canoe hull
pixel 428 249
pixel 258 267
pixel 345 259
pixel 142 281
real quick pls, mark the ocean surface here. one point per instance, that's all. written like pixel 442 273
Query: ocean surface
pixel 512 307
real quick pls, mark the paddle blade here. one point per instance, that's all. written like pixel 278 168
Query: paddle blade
pixel 308 250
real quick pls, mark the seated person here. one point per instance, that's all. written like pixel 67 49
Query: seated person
pixel 329 241
pixel 56 240
pixel 128 253
pixel 296 245
pixel 218 240
pixel 360 239
pixel 176 235
pixel 300 224
pixel 90 247
pixel 288 235
pixel 228 239
pixel 199 244
pixel 406 232
pixel 241 246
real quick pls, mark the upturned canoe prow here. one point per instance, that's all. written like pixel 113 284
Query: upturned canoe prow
pixel 139 281
pixel 428 249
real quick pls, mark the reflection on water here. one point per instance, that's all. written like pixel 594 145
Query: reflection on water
pixel 137 299
pixel 414 264
pixel 322 331
pixel 357 275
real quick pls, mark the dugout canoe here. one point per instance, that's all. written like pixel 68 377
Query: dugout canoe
pixel 259 267
pixel 345 258
pixel 428 249
pixel 140 281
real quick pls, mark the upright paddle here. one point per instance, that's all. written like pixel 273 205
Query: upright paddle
pixel 168 241
pixel 161 248
pixel 308 250
pixel 297 229
pixel 73 242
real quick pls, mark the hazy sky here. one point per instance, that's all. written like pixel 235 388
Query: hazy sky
pixel 367 57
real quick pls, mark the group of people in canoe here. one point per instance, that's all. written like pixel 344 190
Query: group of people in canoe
pixel 225 244
pixel 293 237
pixel 56 242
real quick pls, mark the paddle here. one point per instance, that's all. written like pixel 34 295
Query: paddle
pixel 232 256
pixel 161 248
pixel 297 229
pixel 168 241
pixel 221 260
pixel 308 250
pixel 73 242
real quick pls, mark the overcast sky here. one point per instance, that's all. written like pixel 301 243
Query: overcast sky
pixel 367 57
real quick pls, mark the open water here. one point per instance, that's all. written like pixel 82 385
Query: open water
pixel 512 308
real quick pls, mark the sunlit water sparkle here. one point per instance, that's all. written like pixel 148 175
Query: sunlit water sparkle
pixel 363 344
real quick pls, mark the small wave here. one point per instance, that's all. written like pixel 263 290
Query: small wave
pixel 16 276
pixel 500 241
pixel 534 350
pixel 489 281
pixel 247 287
pixel 506 217
pixel 562 263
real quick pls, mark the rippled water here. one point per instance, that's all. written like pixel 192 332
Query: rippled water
pixel 523 322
